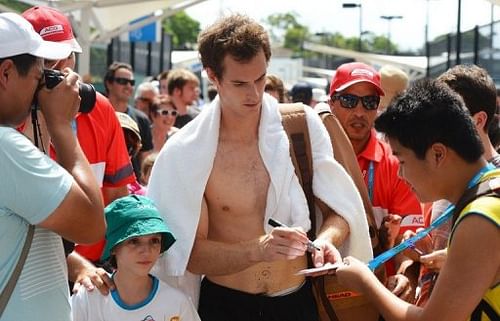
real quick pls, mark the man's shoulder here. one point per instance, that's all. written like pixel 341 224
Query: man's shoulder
pixel 12 141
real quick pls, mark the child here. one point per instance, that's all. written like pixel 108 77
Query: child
pixel 135 237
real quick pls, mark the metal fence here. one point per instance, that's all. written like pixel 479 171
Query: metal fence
pixel 480 46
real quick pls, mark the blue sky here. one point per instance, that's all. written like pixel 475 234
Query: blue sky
pixel 328 15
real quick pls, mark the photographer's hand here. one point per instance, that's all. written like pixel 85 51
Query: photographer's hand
pixel 60 104
pixel 83 206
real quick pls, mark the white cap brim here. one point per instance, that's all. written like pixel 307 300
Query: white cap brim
pixel 75 46
pixel 51 50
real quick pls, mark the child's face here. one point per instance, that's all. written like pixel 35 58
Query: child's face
pixel 138 254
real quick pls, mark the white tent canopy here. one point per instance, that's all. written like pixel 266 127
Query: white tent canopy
pixel 101 20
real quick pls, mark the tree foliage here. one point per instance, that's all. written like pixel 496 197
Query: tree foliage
pixel 17 6
pixel 286 29
pixel 183 29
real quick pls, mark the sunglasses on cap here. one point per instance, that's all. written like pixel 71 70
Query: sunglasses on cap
pixel 350 101
pixel 123 81
pixel 166 112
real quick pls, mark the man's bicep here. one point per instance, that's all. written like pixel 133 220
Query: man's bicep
pixel 75 218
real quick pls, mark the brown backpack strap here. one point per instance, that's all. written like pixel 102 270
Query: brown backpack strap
pixel 319 284
pixel 295 124
pixel 344 154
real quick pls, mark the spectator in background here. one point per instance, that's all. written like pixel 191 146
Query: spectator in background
pixel 38 195
pixel 302 92
pixel 147 166
pixel 275 88
pixel 318 96
pixel 133 139
pixel 119 84
pixel 183 89
pixel 163 116
pixel 145 94
pixel 355 92
pixel 393 81
pixel 162 79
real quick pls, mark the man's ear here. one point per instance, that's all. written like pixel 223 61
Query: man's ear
pixel 437 154
pixel 479 120
pixel 213 78
pixel 6 68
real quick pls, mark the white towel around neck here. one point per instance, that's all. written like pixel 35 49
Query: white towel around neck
pixel 183 166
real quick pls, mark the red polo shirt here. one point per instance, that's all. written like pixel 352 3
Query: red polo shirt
pixel 391 194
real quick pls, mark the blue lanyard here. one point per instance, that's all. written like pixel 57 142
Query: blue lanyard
pixel 387 255
pixel 74 127
pixel 371 171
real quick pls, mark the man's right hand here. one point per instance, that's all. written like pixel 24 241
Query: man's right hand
pixel 60 104
pixel 283 243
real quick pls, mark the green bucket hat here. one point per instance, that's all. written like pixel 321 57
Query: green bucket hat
pixel 133 216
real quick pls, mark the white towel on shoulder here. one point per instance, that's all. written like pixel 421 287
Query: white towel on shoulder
pixel 182 169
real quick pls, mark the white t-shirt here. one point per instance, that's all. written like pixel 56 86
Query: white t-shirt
pixel 163 303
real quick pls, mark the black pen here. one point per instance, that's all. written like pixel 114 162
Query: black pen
pixel 310 244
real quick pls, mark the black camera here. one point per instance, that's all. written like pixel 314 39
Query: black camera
pixel 86 91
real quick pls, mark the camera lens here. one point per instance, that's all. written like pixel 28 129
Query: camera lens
pixel 87 96
pixel 87 92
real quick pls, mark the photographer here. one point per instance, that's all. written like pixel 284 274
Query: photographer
pixel 98 132
pixel 56 199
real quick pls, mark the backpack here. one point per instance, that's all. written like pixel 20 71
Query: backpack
pixel 334 302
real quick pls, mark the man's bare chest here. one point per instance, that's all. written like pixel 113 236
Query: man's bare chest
pixel 239 177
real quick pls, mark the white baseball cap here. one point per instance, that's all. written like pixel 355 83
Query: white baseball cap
pixel 18 37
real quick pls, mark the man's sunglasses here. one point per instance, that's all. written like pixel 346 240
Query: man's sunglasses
pixel 123 81
pixel 351 101
pixel 166 112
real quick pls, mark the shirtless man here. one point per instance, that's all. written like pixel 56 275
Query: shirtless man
pixel 250 272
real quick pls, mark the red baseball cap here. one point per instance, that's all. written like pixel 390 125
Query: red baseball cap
pixel 52 25
pixel 353 73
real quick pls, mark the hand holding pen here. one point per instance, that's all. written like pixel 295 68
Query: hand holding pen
pixel 310 245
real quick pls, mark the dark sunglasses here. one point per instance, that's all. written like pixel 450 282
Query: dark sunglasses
pixel 123 81
pixel 351 101
pixel 166 112
pixel 146 100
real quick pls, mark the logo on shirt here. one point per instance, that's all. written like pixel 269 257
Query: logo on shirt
pixel 148 318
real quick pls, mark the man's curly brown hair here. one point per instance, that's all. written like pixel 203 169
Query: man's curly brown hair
pixel 236 35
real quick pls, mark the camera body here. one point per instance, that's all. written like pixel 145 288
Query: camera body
pixel 86 91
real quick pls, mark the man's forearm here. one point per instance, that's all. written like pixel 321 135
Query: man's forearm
pixel 334 229
pixel 217 258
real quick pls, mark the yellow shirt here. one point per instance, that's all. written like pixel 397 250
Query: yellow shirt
pixel 489 208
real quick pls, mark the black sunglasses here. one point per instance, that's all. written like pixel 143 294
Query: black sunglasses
pixel 123 81
pixel 166 112
pixel 351 101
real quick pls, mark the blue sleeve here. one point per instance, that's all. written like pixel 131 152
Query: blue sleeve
pixel 33 185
